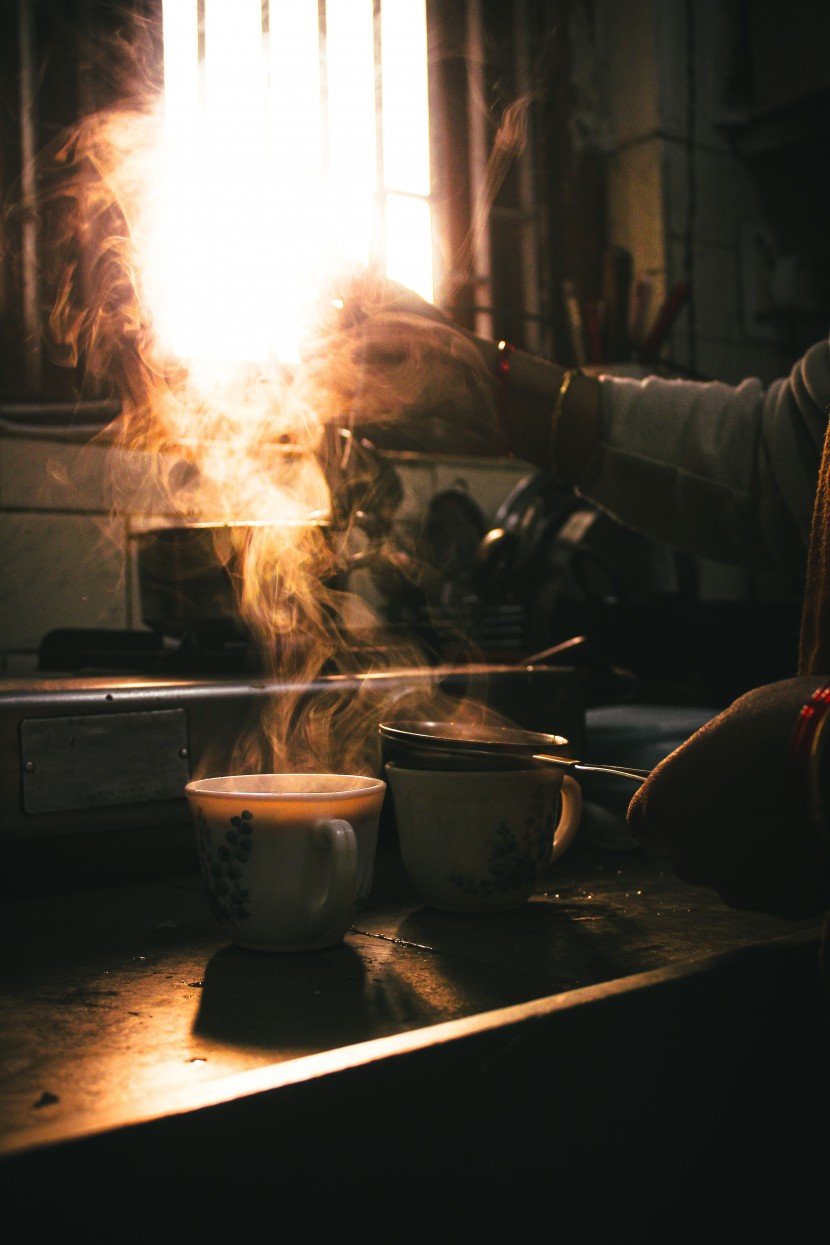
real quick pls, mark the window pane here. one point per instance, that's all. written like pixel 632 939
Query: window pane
pixel 409 243
pixel 350 68
pixel 405 96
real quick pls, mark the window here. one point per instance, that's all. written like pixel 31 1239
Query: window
pixel 385 112
pixel 296 145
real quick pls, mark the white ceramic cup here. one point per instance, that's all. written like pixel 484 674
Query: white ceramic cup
pixel 480 841
pixel 287 859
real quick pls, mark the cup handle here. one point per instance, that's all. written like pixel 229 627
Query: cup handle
pixel 336 836
pixel 570 813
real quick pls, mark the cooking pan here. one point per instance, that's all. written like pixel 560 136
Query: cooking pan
pixel 189 574
pixel 463 746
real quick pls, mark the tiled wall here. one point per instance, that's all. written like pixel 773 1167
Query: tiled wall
pixel 61 561
pixel 673 178
pixel 65 561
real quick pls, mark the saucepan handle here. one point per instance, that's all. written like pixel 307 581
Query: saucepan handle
pixel 628 772
pixel 615 771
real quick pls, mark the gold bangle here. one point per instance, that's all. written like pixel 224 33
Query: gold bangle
pixel 558 403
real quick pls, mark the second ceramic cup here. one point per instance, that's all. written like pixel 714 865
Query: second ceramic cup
pixel 480 841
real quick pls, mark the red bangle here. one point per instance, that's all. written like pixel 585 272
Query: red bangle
pixel 505 353
pixel 808 771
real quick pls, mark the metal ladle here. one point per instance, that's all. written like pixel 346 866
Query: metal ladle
pixel 462 745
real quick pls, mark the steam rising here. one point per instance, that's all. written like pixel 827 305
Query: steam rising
pixel 249 448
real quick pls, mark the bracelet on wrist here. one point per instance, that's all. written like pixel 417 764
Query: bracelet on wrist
pixel 809 762
pixel 558 404
pixel 506 351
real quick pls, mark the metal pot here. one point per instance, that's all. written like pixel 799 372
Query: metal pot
pixel 189 575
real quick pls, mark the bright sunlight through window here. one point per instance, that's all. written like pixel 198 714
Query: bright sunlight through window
pixel 296 147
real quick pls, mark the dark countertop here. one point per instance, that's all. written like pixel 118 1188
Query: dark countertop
pixel 622 1046
pixel 122 1003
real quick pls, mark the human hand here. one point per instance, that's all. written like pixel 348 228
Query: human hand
pixel 351 301
pixel 395 367
pixel 722 807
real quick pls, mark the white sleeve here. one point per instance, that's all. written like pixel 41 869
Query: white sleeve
pixel 727 472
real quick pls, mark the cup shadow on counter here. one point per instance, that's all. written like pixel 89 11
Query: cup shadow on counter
pixel 294 1000
pixel 547 946
pixel 406 964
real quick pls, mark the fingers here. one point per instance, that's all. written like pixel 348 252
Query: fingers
pixel 398 366
pixel 349 302
pixel 388 337
pixel 645 822
pixel 637 819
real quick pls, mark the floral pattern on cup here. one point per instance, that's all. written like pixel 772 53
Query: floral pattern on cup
pixel 514 861
pixel 223 869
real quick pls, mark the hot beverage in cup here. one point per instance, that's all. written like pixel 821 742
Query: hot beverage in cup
pixel 287 859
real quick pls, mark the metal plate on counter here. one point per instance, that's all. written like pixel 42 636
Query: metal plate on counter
pixel 101 760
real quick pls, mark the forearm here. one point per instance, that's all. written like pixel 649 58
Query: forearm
pixel 723 471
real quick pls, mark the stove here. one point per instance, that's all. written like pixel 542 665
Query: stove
pixel 107 753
